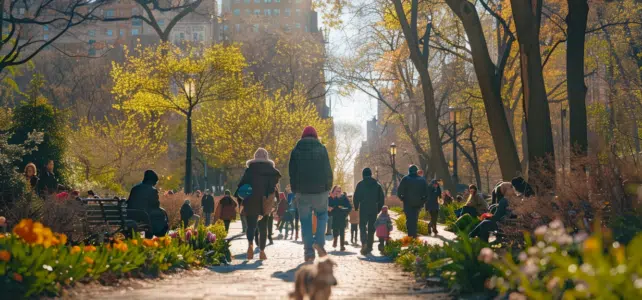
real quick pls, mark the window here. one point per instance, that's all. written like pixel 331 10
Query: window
pixel 237 12
pixel 286 27
pixel 277 1
pixel 297 25
pixel 267 12
pixel 257 1
pixel 225 27
pixel 288 12
pixel 134 11
pixel 195 36
pixel 135 31
pixel 298 1
pixel 121 32
pixel 257 12
pixel 109 13
pixel 91 42
pixel 238 27
pixel 255 27
pixel 276 12
pixel 237 1
pixel 91 33
pixel 21 11
pixel 181 36
pixel 248 12
pixel 109 32
pixel 45 28
pixel 92 52
pixel 268 1
pixel 161 22
pixel 298 12
pixel 137 22
pixel 247 1
pixel 45 37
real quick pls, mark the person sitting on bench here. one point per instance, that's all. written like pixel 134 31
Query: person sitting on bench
pixel 484 228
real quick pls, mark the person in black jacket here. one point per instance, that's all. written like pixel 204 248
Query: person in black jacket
pixel 413 192
pixel 263 177
pixel 368 200
pixel 339 207
pixel 144 197
pixel 207 202
pixel 187 214
pixel 311 181
pixel 48 184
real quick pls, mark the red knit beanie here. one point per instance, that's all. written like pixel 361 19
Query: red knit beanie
pixel 309 132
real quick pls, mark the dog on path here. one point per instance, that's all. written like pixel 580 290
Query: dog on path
pixel 314 281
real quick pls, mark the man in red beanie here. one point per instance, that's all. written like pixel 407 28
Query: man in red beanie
pixel 311 181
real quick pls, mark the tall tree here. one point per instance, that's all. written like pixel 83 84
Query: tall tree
pixel 489 77
pixel 419 59
pixel 576 21
pixel 527 15
pixel 168 79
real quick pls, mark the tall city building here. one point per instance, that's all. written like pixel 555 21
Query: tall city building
pixel 255 16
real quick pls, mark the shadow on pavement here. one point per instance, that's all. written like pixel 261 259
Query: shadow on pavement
pixel 244 266
pixel 376 259
pixel 342 253
pixel 287 276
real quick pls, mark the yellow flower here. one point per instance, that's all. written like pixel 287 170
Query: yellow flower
pixel 2 236
pixel 120 246
pixel 17 277
pixel 62 238
pixel 135 242
pixel 5 255
pixel 592 244
pixel 90 248
pixel 74 250
pixel 89 260
pixel 89 270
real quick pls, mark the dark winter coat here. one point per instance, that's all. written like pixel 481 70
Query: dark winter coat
pixel 263 177
pixel 48 184
pixel 310 170
pixel 368 196
pixel 186 212
pixel 432 203
pixel 143 196
pixel 337 213
pixel 413 190
pixel 33 182
pixel 208 203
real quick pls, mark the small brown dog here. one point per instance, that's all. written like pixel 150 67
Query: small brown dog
pixel 315 281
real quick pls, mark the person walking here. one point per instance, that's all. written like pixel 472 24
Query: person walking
pixel 290 195
pixel 288 219
pixel 187 214
pixel 282 208
pixel 368 200
pixel 413 192
pixel 311 180
pixel 263 177
pixel 143 205
pixel 432 205
pixel 207 202
pixel 339 208
pixel 228 209
pixel 31 176
pixel 383 227
pixel 354 223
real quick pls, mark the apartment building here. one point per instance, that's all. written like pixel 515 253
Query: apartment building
pixel 242 17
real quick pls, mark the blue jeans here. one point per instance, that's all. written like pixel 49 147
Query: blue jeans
pixel 307 204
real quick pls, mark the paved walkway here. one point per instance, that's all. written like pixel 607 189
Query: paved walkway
pixel 359 277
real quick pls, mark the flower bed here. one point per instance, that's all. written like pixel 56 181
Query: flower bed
pixel 555 265
pixel 36 261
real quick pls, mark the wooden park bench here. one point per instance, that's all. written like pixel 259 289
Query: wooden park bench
pixel 105 217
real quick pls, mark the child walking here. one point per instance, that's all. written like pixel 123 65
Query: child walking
pixel 288 219
pixel 383 227
pixel 354 224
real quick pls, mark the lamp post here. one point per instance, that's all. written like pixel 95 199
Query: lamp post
pixel 454 117
pixel 393 155
pixel 562 117
pixel 190 91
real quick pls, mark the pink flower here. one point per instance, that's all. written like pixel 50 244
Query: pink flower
pixel 173 234
pixel 188 235
pixel 211 237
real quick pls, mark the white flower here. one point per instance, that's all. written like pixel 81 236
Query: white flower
pixel 486 255
pixel 638 283
pixel 587 269
pixel 47 267
pixel 523 256
pixel 557 224
pixel 541 231
pixel 572 268
pixel 580 237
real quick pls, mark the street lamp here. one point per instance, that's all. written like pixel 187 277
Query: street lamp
pixel 393 155
pixel 455 115
pixel 190 91
pixel 562 117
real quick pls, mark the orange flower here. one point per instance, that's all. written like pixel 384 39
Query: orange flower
pixel 135 242
pixel 5 255
pixel 90 248
pixel 592 244
pixel 89 270
pixel 148 243
pixel 2 236
pixel 62 238
pixel 89 260
pixel 17 277
pixel 120 246
pixel 74 250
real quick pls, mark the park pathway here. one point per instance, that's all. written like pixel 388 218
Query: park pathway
pixel 359 277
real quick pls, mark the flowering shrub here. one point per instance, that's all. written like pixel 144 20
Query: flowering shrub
pixel 422 226
pixel 34 260
pixel 558 266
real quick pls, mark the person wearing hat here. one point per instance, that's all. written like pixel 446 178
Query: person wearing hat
pixel 311 180
pixel 207 202
pixel 413 192
pixel 144 198
pixel 263 177
pixel 368 200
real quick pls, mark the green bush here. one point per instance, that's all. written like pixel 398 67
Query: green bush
pixel 12 183
pixel 39 116
pixel 422 226
pixel 626 227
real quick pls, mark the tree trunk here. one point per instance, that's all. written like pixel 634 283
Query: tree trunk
pixel 576 23
pixel 188 156
pixel 541 152
pixel 490 86
pixel 420 61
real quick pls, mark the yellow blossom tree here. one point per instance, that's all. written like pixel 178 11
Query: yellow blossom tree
pixel 273 121
pixel 170 78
